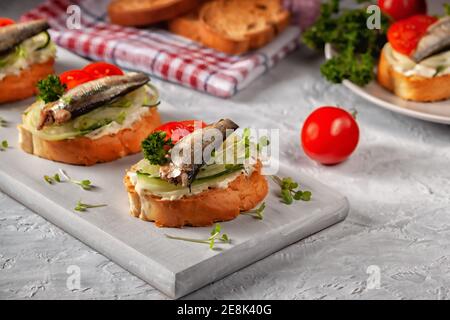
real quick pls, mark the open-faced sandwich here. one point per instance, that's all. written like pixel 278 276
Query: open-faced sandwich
pixel 88 116
pixel 415 63
pixel 195 174
pixel 26 56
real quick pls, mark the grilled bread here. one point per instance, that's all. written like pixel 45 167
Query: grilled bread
pixel 233 26
pixel 23 85
pixel 146 12
pixel 86 151
pixel 213 205
pixel 414 88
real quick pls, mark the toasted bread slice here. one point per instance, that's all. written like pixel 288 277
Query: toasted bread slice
pixel 213 205
pixel 87 152
pixel 233 26
pixel 23 85
pixel 414 88
pixel 146 12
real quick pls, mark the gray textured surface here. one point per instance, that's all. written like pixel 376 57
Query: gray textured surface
pixel 398 184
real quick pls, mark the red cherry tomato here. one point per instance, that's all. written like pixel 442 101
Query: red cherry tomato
pixel 404 35
pixel 6 22
pixel 402 9
pixel 329 135
pixel 102 69
pixel 177 130
pixel 74 78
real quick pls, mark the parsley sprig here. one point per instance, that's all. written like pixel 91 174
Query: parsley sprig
pixel 257 213
pixel 216 236
pixel 290 190
pixel 4 145
pixel 81 207
pixel 51 88
pixel 357 46
pixel 156 148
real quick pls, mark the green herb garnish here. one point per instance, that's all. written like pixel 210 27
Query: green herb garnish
pixel 289 190
pixel 51 88
pixel 84 184
pixel 447 8
pixel 156 148
pixel 257 213
pixel 216 235
pixel 84 206
pixel 357 46
pixel 3 122
pixel 4 145
pixel 51 180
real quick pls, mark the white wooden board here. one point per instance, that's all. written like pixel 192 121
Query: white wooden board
pixel 174 267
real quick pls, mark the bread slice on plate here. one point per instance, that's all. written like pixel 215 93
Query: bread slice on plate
pixel 86 151
pixel 146 12
pixel 414 88
pixel 203 209
pixel 23 85
pixel 233 26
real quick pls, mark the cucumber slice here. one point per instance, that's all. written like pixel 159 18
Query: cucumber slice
pixel 46 40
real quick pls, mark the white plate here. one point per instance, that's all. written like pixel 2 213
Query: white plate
pixel 174 267
pixel 435 111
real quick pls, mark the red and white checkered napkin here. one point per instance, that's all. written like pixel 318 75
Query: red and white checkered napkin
pixel 155 51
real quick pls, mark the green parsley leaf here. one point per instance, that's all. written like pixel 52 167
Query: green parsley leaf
pixel 156 147
pixel 51 88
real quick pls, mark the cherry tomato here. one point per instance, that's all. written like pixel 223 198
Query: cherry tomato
pixel 102 69
pixel 402 9
pixel 6 22
pixel 74 78
pixel 176 130
pixel 404 35
pixel 329 135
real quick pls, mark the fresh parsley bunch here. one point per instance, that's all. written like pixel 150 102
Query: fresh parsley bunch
pixel 358 47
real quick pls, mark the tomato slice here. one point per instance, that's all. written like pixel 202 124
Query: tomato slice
pixel 177 130
pixel 404 35
pixel 6 22
pixel 102 69
pixel 402 9
pixel 74 78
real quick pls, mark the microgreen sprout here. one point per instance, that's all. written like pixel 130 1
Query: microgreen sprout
pixel 289 191
pixel 257 213
pixel 4 145
pixel 3 122
pixel 51 180
pixel 81 207
pixel 85 184
pixel 216 235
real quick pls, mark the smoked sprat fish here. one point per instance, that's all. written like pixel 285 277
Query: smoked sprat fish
pixel 14 34
pixel 436 40
pixel 182 172
pixel 89 96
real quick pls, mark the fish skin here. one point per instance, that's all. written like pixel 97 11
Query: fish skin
pixel 14 34
pixel 89 96
pixel 184 173
pixel 436 40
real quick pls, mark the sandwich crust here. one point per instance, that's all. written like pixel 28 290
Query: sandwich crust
pixel 204 209
pixel 414 88
pixel 87 152
pixel 146 12
pixel 23 85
